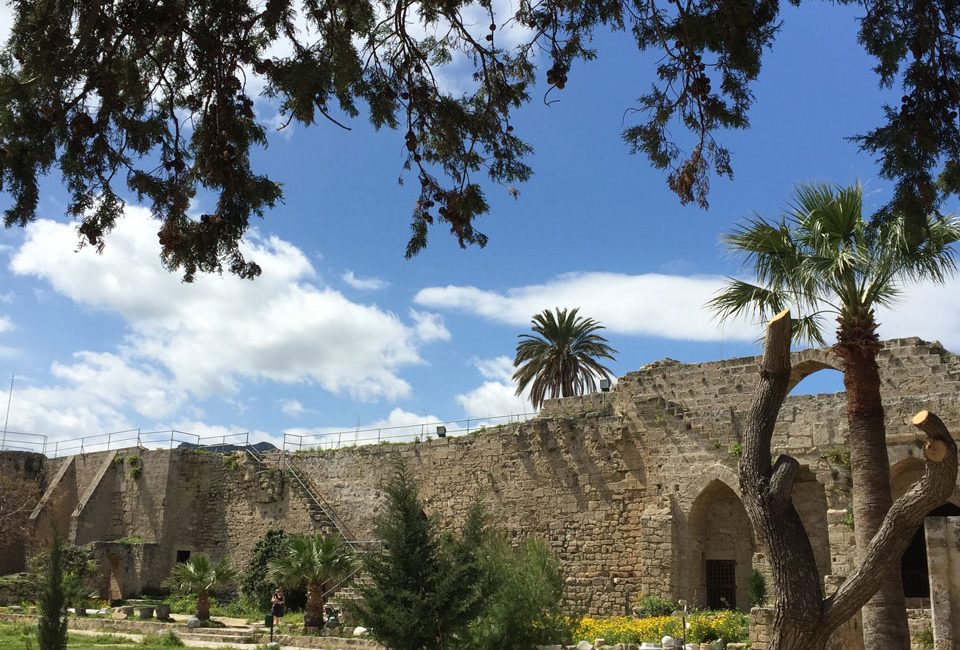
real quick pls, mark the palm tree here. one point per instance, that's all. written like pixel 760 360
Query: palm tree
pixel 320 561
pixel 198 576
pixel 561 356
pixel 822 258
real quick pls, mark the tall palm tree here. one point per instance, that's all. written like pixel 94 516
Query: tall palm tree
pixel 198 576
pixel 320 561
pixel 561 356
pixel 822 258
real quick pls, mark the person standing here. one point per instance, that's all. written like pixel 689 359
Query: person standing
pixel 277 606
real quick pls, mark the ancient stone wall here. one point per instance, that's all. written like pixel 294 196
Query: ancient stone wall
pixel 24 470
pixel 635 490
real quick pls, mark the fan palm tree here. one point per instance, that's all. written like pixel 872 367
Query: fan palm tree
pixel 198 576
pixel 320 561
pixel 821 258
pixel 560 358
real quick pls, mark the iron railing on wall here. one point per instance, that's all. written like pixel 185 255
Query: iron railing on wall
pixel 291 442
pixel 335 439
pixel 126 439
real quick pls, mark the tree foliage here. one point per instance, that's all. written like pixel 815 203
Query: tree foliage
pixel 317 562
pixel 52 626
pixel 256 584
pixel 418 596
pixel 157 99
pixel 824 257
pixel 561 357
pixel 198 576
pixel 431 590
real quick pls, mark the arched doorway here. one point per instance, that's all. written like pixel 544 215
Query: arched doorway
pixel 722 553
pixel 913 564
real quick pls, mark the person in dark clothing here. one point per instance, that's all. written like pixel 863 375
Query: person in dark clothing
pixel 277 606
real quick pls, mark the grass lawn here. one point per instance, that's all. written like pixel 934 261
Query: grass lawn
pixel 20 636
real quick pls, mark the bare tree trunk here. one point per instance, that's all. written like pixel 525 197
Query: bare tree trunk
pixel 803 619
pixel 313 612
pixel 885 616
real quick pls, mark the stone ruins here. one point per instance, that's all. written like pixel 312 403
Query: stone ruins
pixel 634 489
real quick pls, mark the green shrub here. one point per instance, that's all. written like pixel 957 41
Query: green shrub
pixel 255 584
pixel 924 638
pixel 523 609
pixel 166 639
pixel 758 589
pixel 52 626
pixel 651 606
pixel 728 625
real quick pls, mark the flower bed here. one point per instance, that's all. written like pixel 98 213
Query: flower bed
pixel 702 627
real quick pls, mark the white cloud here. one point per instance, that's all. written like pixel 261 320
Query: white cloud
pixel 364 284
pixel 429 327
pixel 291 407
pixel 496 396
pixel 117 382
pixel 673 307
pixel 209 335
pixel 498 369
pixel 651 304
pixel 926 310
pixel 398 426
pixel 6 324
pixel 7 298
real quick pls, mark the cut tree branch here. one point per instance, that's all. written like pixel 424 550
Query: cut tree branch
pixel 803 619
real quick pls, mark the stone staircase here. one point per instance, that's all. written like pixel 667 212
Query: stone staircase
pixel 232 635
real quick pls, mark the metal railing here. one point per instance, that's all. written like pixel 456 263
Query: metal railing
pixel 423 431
pixel 323 506
pixel 115 440
pixel 19 441
pixel 292 442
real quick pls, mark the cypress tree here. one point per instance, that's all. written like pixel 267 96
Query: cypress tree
pixel 52 627
pixel 417 597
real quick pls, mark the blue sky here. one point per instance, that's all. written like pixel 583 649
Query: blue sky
pixel 342 332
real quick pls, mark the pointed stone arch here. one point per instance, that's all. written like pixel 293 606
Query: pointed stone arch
pixel 720 544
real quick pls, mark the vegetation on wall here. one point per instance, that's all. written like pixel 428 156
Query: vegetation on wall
pixel 256 585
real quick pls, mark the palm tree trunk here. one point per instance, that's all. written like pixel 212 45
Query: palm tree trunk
pixel 803 620
pixel 203 605
pixel 884 616
pixel 313 613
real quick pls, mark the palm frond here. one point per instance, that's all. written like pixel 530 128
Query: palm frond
pixel 823 253
pixel 560 359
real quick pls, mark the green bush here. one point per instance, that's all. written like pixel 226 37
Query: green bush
pixel 650 606
pixel 523 609
pixel 255 584
pixel 165 639
pixel 758 589
pixel 52 626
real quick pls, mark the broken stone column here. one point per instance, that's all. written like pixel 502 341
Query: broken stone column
pixel 943 564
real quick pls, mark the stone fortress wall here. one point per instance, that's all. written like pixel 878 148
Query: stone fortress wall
pixel 635 490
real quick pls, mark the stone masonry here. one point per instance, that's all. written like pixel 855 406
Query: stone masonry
pixel 635 490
